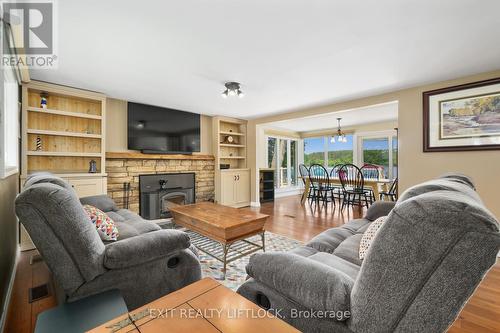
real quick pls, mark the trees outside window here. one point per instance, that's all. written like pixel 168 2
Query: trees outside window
pixel 282 157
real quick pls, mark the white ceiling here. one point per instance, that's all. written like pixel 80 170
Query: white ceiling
pixel 350 118
pixel 288 54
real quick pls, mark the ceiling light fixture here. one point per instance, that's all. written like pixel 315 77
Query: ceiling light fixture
pixel 232 89
pixel 340 135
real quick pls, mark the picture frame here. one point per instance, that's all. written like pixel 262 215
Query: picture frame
pixel 462 118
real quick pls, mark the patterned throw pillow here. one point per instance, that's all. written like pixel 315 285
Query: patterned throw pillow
pixel 369 235
pixel 104 224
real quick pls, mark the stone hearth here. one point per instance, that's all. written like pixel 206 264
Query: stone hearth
pixel 126 167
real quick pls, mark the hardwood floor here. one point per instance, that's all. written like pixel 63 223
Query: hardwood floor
pixel 481 313
pixel 302 222
pixel 21 316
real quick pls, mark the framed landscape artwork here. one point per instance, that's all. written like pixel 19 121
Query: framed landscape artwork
pixel 465 117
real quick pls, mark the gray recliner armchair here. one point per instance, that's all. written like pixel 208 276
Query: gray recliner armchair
pixel 426 260
pixel 145 263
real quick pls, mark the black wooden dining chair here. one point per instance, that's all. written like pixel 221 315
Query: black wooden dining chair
pixel 353 186
pixel 304 174
pixel 371 171
pixel 337 189
pixel 392 194
pixel 320 182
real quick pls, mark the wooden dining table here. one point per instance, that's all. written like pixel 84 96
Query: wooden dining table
pixel 369 183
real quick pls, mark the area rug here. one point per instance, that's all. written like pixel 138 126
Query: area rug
pixel 235 273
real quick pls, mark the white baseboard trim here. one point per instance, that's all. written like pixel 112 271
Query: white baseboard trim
pixel 254 204
pixel 9 292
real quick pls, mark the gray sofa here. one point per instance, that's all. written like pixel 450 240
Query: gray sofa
pixel 145 263
pixel 427 259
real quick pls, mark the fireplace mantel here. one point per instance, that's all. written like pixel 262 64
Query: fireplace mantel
pixel 141 156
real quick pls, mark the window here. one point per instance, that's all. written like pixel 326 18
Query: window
pixel 282 156
pixel 9 119
pixel 376 152
pixel 380 149
pixel 293 162
pixel 314 151
pixel 322 150
pixel 340 152
pixel 271 152
pixel 394 156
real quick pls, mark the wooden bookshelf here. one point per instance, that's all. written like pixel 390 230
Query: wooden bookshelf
pixel 64 113
pixel 229 132
pixel 63 133
pixel 66 136
pixel 233 153
pixel 232 145
pixel 62 153
pixel 232 185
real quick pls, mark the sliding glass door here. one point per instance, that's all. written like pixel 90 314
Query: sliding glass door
pixel 282 157
pixel 283 177
pixel 380 150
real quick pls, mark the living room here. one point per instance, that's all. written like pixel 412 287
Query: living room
pixel 260 166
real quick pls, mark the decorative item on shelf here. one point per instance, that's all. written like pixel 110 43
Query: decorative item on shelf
pixel 464 117
pixel 231 154
pixel 38 143
pixel 43 100
pixel 229 139
pixel 224 166
pixel 92 166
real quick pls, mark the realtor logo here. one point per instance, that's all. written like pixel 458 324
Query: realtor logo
pixel 30 32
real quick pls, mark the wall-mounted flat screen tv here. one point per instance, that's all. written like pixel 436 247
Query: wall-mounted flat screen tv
pixel 157 130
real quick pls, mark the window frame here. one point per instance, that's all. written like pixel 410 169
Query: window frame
pixel 8 170
pixel 388 134
pixel 297 160
pixel 326 147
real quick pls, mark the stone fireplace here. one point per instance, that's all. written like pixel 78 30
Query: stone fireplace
pixel 159 192
pixel 127 168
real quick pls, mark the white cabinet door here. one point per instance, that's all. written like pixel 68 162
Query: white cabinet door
pixel 85 187
pixel 228 183
pixel 243 187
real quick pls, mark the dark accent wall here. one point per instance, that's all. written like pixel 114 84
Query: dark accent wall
pixel 8 234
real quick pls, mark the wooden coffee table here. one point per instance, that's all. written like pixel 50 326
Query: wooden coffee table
pixel 204 306
pixel 227 227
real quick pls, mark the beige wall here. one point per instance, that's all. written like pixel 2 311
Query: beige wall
pixel 414 165
pixel 8 235
pixel 116 128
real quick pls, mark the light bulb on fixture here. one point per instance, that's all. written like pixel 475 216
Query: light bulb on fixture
pixel 232 89
pixel 332 140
